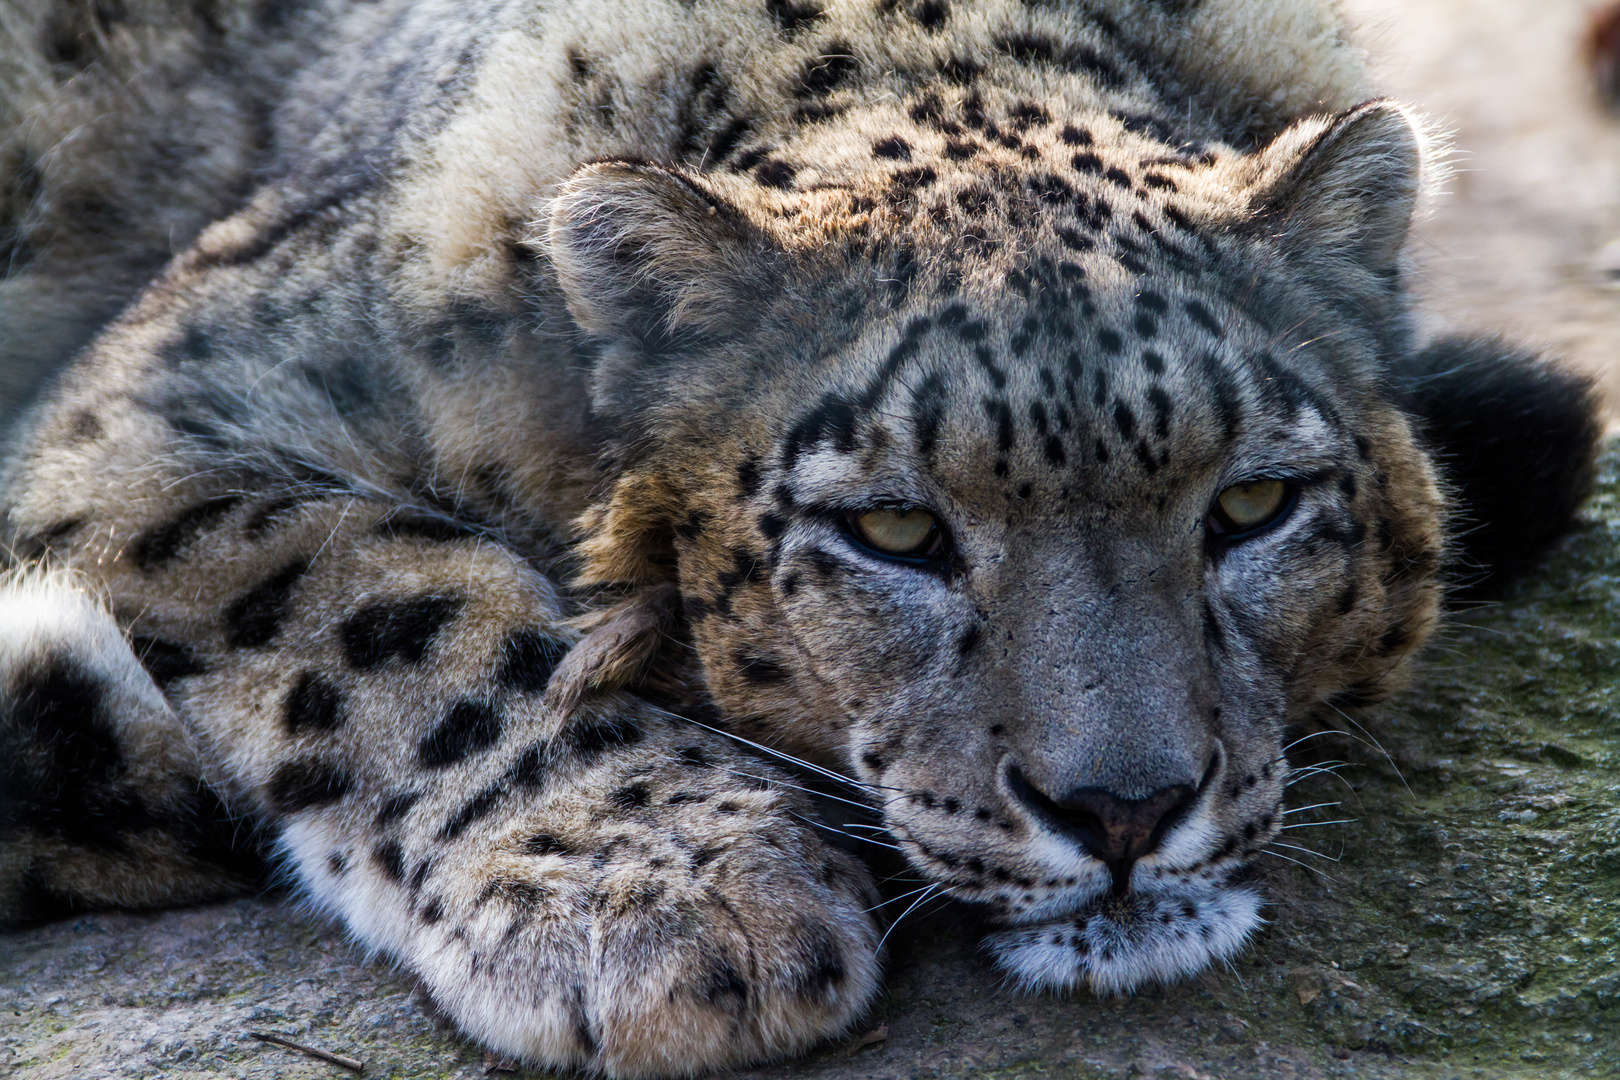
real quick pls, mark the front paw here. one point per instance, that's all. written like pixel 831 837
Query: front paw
pixel 653 914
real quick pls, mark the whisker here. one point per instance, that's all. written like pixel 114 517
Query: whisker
pixel 902 896
pixel 800 762
pixel 1306 739
pixel 796 787
pixel 1317 824
pixel 1313 806
pixel 904 913
pixel 1378 746
pixel 1304 866
pixel 839 832
pixel 1305 851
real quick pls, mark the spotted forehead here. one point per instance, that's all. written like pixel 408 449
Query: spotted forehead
pixel 1056 382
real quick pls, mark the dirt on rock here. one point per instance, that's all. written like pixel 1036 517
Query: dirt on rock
pixel 1448 907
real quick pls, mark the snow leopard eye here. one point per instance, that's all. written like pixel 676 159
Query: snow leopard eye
pixel 1244 509
pixel 900 532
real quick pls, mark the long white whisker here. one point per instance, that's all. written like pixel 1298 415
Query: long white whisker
pixel 1307 738
pixel 1317 824
pixel 1377 746
pixel 836 831
pixel 897 899
pixel 828 773
pixel 1305 851
pixel 796 787
pixel 1304 866
pixel 1313 806
pixel 904 913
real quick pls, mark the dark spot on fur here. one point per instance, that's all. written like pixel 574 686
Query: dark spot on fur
pixel 931 14
pixel 1075 241
pixel 821 965
pixel 724 987
pixel 775 173
pixel 894 148
pixel 160 545
pixel 165 661
pixel 823 74
pixel 1205 318
pixel 314 704
pixel 85 425
pixel 589 738
pixel 760 670
pixel 748 476
pixel 904 182
pixel 404 629
pixel 254 618
pixel 395 807
pixel 391 857
pixel 528 658
pixel 542 844
pixel 793 15
pixel 306 783
pixel 968 641
pixel 479 806
pixel 631 796
pixel 468 727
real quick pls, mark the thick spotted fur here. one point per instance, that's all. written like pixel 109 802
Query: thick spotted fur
pixel 465 517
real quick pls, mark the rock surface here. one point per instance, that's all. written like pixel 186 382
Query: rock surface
pixel 1465 920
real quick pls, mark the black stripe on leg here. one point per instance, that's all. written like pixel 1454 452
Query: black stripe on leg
pixel 469 726
pixel 378 632
pixel 314 704
pixel 527 660
pixel 306 783
pixel 165 661
pixel 254 618
pixel 158 547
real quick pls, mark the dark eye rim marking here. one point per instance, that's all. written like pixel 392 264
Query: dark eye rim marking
pixel 1225 533
pixel 932 554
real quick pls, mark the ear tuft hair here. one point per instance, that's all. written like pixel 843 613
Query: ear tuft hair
pixel 1516 438
pixel 1341 189
pixel 652 257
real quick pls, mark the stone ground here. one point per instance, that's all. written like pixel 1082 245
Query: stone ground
pixel 1464 923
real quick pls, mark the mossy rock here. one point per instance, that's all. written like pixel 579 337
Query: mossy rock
pixel 1464 922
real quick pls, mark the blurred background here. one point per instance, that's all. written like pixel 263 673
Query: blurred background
pixel 1517 243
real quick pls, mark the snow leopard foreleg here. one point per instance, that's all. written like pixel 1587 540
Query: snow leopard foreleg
pixel 610 888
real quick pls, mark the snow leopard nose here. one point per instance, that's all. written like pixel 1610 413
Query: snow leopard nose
pixel 1117 831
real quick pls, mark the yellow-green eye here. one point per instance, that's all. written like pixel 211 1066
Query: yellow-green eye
pixel 1242 507
pixel 897 532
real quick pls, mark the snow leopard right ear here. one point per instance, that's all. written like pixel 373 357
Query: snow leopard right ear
pixel 1336 194
pixel 653 259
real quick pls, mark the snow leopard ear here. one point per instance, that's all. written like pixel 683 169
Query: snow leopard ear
pixel 1339 192
pixel 652 258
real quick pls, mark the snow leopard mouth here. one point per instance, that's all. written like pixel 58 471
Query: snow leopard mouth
pixel 1118 943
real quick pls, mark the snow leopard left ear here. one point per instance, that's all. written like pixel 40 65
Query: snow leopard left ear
pixel 652 259
pixel 1337 193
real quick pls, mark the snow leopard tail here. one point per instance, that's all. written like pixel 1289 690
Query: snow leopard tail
pixel 101 798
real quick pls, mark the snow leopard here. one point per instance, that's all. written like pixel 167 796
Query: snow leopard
pixel 514 465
